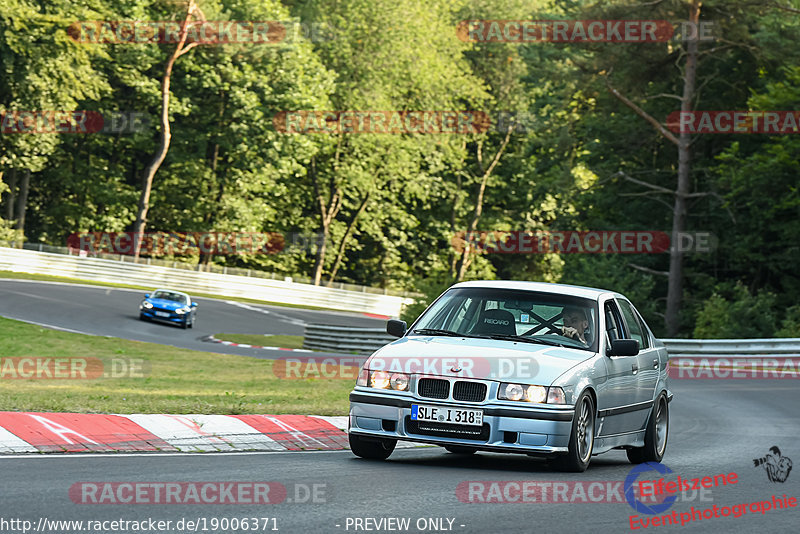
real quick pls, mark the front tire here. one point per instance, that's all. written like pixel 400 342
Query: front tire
pixel 655 436
pixel 379 449
pixel 581 439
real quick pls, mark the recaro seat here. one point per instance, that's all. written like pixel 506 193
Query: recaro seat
pixel 495 322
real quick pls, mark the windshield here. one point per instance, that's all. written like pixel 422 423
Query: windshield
pixel 514 315
pixel 169 295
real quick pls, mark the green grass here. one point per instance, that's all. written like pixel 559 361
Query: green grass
pixel 286 342
pixel 174 380
pixel 144 289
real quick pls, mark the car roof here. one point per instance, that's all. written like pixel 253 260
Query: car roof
pixel 543 287
pixel 172 291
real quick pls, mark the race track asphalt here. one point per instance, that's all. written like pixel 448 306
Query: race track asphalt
pixel 718 427
pixel 114 312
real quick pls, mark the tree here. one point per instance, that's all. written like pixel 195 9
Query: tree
pixel 193 14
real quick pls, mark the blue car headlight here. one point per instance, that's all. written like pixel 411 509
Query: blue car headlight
pixel 185 309
pixel 146 305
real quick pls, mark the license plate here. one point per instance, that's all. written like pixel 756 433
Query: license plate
pixel 440 414
pixel 162 314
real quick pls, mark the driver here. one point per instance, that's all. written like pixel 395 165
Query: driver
pixel 575 323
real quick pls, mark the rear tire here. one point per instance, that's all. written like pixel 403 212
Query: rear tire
pixel 655 436
pixel 460 449
pixel 191 325
pixel 581 439
pixel 379 449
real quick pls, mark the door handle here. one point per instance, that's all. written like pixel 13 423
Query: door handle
pixel 635 368
pixel 655 364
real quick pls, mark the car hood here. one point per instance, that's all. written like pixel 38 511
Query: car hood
pixel 506 361
pixel 165 304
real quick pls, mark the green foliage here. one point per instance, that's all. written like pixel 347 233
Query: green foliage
pixel 430 288
pixel 790 325
pixel 570 167
pixel 734 313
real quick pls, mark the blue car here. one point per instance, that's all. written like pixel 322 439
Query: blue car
pixel 168 306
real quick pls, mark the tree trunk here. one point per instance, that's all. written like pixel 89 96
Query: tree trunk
pixel 12 188
pixel 166 134
pixel 343 243
pixel 675 284
pixel 464 260
pixel 22 205
pixel 327 212
pixel 681 192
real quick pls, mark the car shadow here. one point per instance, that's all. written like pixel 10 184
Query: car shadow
pixel 499 462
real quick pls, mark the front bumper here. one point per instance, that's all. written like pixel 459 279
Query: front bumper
pixel 523 429
pixel 174 318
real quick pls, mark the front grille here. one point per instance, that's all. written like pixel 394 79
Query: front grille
pixel 427 428
pixel 433 388
pixel 154 309
pixel 469 391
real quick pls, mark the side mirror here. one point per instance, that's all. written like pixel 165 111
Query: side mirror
pixel 194 304
pixel 396 328
pixel 624 347
pixel 147 295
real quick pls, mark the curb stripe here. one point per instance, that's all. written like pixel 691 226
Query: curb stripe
pixel 205 433
pixel 75 432
pixel 212 339
pixel 298 432
pixel 35 432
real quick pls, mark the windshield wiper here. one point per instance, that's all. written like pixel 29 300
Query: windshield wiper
pixel 436 332
pixel 512 337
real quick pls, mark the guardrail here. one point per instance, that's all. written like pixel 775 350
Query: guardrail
pixel 368 340
pixel 732 348
pixel 345 339
pixel 208 268
pixel 223 285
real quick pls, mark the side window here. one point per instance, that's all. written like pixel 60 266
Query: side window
pixel 634 326
pixel 645 331
pixel 614 328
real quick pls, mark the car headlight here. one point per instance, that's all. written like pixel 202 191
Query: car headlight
pixel 379 379
pixel 185 309
pixel 510 392
pixel 399 381
pixel 146 305
pixel 383 380
pixel 536 394
pixel 531 393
